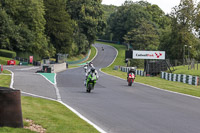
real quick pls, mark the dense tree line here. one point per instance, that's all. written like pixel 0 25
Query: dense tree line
pixel 146 27
pixel 47 27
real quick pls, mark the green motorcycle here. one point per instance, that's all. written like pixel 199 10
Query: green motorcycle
pixel 91 81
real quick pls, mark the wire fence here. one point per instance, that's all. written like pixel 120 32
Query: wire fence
pixel 191 64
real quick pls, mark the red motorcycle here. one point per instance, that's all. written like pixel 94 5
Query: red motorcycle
pixel 131 78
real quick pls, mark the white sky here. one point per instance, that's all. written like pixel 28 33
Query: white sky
pixel 165 5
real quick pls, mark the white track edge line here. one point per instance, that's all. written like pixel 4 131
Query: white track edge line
pixel 84 118
pixel 57 90
pixel 70 108
pixel 73 110
pixel 39 96
pixel 156 87
pixel 95 54
pixel 115 56
pixel 149 85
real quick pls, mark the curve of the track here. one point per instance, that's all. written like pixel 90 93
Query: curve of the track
pixel 118 108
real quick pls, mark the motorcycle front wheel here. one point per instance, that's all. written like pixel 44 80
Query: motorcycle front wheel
pixel 129 83
pixel 89 87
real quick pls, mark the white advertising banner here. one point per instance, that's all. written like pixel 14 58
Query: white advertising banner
pixel 148 54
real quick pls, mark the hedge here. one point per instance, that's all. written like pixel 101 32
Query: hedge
pixel 7 53
pixel 25 55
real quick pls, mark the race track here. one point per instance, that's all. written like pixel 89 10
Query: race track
pixel 113 105
pixel 118 108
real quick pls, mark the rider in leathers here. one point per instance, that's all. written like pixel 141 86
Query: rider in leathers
pixel 91 71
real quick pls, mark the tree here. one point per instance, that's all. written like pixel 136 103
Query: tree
pixel 7 29
pixel 183 26
pixel 59 25
pixel 88 15
pixel 28 20
pixel 145 37
pixel 127 17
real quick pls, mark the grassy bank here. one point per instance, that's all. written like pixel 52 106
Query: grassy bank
pixel 79 57
pixel 184 70
pixel 153 81
pixel 52 116
pixel 91 56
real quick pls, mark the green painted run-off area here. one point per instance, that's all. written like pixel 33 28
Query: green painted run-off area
pixel 49 76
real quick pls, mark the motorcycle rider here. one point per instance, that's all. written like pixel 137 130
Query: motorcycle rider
pixel 85 67
pixel 91 71
pixel 91 64
pixel 132 70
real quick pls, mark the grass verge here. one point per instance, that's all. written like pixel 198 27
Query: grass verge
pixel 5 79
pixel 153 81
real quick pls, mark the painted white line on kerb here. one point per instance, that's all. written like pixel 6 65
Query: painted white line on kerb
pixel 12 79
pixel 156 87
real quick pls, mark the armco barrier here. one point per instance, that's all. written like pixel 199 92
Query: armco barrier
pixel 188 79
pixel 137 72
pixel 79 61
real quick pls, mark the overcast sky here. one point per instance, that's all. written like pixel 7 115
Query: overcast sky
pixel 165 5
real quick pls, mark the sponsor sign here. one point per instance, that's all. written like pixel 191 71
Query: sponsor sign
pixel 31 59
pixel 148 54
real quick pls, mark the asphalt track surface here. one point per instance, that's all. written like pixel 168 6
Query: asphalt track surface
pixel 113 105
pixel 28 81
pixel 118 108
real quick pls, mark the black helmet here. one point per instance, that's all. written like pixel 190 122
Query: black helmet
pixel 92 69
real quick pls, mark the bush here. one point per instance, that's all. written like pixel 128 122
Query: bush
pixel 137 63
pixel 3 61
pixel 7 53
